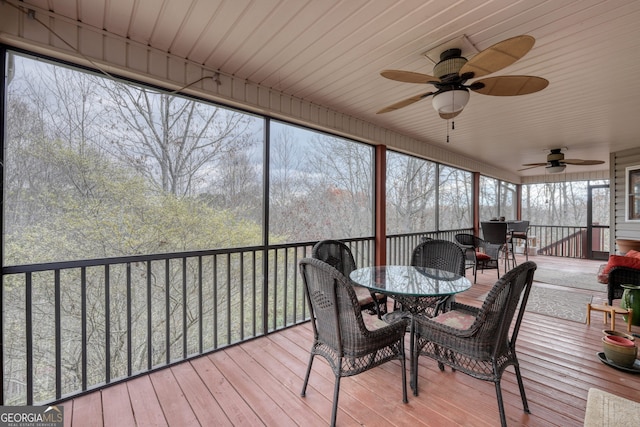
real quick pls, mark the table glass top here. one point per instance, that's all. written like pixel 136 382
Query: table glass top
pixel 410 281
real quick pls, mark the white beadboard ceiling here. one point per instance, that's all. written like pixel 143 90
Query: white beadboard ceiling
pixel 331 52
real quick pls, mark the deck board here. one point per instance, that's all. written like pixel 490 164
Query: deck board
pixel 174 403
pixel 234 406
pixel 259 383
pixel 116 405
pixel 144 402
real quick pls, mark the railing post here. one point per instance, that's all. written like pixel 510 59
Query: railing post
pixel 380 205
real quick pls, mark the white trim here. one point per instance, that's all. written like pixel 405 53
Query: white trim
pixel 628 193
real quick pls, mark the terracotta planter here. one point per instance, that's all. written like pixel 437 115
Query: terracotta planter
pixel 619 355
pixel 618 334
pixel 625 245
pixel 621 341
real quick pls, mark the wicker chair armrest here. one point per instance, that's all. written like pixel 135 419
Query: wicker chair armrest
pixel 492 249
pixel 624 276
pixel 469 252
pixel 467 309
pixel 465 246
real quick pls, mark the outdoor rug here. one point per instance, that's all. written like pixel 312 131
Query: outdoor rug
pixel 608 410
pixel 569 279
pixel 557 303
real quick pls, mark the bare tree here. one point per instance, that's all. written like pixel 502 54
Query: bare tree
pixel 288 213
pixel 410 194
pixel 173 141
pixel 342 193
pixel 454 199
pixel 236 185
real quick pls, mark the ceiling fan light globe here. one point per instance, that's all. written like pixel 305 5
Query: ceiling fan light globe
pixel 450 101
pixel 556 168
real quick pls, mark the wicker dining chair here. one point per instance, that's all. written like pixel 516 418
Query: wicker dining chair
pixel 338 255
pixel 479 254
pixel 339 331
pixel 476 341
pixel 519 230
pixel 497 233
pixel 442 255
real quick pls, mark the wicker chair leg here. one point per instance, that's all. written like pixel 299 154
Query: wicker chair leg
pixel 336 392
pixel 525 405
pixel 415 353
pixel 306 378
pixel 503 417
pixel 404 373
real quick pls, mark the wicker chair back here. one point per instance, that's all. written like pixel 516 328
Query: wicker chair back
pixel 440 254
pixel 339 256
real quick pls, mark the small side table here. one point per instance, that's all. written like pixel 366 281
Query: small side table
pixel 611 311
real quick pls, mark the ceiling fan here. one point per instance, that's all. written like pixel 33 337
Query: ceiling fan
pixel 557 163
pixel 453 71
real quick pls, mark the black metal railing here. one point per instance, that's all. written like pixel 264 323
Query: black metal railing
pixel 72 327
pixel 400 246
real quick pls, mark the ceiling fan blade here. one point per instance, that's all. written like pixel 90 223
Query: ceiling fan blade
pixel 408 76
pixel 498 56
pixel 510 85
pixel 531 166
pixel 404 102
pixel 582 162
pixel 592 162
pixel 448 116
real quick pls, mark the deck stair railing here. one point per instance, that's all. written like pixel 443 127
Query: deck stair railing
pixel 562 241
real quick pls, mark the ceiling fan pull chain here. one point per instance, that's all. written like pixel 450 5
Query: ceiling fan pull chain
pixel 453 127
pixel 447 131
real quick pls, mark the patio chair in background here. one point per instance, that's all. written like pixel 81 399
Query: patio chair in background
pixel 339 256
pixel 496 233
pixel 476 341
pixel 339 331
pixel 519 230
pixel 478 253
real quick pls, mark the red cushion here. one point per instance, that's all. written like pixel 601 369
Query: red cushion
pixel 633 254
pixel 621 261
pixel 481 256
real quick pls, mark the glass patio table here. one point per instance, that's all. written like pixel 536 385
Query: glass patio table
pixel 406 284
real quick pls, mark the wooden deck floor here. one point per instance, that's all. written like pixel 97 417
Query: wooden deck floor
pixel 259 382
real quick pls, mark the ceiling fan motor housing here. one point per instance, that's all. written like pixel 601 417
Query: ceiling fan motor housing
pixel 450 64
pixel 555 155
